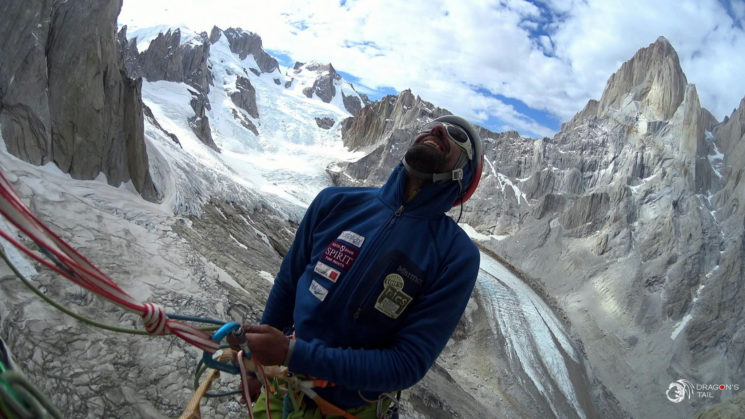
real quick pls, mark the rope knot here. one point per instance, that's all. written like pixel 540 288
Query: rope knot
pixel 155 319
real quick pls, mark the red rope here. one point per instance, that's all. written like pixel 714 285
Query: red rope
pixel 244 383
pixel 75 267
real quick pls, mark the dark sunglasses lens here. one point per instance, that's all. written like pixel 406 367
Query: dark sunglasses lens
pixel 457 133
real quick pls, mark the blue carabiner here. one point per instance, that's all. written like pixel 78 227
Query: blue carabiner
pixel 217 337
pixel 224 330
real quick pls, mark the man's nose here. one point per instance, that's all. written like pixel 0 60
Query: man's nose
pixel 439 131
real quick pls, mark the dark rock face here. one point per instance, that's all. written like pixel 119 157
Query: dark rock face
pixel 65 96
pixel 327 84
pixel 245 96
pixel 352 103
pixel 244 43
pixel 371 126
pixel 200 123
pixel 325 122
pixel 324 84
pixel 168 59
pixel 385 128
pixel 24 110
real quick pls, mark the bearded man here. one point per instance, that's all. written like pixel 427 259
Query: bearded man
pixel 377 278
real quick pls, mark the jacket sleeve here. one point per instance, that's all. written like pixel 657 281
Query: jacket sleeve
pixel 278 311
pixel 416 346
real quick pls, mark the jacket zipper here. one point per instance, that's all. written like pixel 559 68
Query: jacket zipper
pixel 370 284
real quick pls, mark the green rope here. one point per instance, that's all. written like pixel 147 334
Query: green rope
pixel 76 316
pixel 18 397
pixel 4 411
pixel 28 395
pixel 198 374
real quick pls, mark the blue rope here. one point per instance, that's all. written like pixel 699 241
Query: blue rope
pixel 195 319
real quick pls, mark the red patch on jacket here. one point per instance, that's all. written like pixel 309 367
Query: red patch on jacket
pixel 340 254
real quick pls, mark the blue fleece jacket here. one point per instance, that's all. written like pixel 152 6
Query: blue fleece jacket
pixel 374 287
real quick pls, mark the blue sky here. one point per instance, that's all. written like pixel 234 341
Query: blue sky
pixel 507 65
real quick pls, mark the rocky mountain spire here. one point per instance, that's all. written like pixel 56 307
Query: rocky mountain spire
pixel 324 82
pixel 653 77
pixel 246 43
pixel 731 134
pixel 375 123
pixel 169 58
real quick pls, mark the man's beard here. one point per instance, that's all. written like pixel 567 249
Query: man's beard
pixel 425 159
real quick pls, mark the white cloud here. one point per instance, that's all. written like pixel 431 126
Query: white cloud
pixel 553 58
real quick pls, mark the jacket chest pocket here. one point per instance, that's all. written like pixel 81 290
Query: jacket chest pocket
pixel 392 289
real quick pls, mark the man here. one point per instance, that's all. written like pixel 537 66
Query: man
pixel 378 278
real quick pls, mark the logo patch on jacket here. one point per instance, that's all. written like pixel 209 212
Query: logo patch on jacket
pixel 318 290
pixel 340 254
pixel 352 238
pixel 326 271
pixel 392 301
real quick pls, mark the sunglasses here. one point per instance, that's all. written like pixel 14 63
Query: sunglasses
pixel 455 133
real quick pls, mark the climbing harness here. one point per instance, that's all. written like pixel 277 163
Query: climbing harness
pixel 18 397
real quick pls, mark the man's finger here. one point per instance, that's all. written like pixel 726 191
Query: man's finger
pixel 257 328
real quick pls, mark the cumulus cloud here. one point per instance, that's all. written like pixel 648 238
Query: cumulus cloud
pixel 552 56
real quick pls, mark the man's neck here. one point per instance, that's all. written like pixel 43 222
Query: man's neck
pixel 413 185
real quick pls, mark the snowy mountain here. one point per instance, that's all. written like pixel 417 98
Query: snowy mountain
pixel 320 81
pixel 235 150
pixel 254 125
pixel 203 152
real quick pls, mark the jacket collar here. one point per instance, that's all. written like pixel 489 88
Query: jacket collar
pixel 433 200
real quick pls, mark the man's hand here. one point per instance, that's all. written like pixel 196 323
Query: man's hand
pixel 268 345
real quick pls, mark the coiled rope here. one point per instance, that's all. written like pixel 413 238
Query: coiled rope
pixel 18 396
pixel 67 262
pixel 61 258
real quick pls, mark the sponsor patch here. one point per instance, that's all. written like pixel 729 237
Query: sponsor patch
pixel 340 254
pixel 326 271
pixel 393 300
pixel 318 290
pixel 352 238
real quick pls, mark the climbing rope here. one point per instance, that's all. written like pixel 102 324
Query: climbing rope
pixel 19 398
pixel 95 323
pixel 61 258
pixel 57 255
pixel 66 261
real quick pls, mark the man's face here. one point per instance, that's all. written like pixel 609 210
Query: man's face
pixel 433 152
